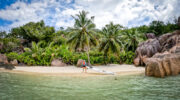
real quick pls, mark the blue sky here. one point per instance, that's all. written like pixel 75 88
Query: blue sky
pixel 57 13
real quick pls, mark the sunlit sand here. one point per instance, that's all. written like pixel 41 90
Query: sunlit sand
pixel 75 71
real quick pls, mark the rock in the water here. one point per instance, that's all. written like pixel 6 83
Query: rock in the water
pixel 163 64
pixel 79 63
pixel 14 62
pixel 57 62
pixel 3 59
pixel 154 68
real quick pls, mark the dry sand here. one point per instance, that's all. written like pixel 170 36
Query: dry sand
pixel 74 71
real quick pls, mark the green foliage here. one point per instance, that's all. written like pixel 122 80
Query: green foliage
pixel 9 44
pixel 12 55
pixel 82 35
pixel 127 57
pixel 110 40
pixel 35 55
pixel 59 39
pixel 131 38
pixel 3 34
pixel 159 27
pixel 45 57
pixel 34 32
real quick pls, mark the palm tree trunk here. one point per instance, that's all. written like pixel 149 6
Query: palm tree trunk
pixel 105 57
pixel 89 64
pixel 134 47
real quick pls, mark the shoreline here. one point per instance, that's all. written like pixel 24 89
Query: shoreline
pixel 75 71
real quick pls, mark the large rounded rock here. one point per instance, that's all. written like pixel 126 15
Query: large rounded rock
pixel 158 45
pixel 148 49
pixel 3 59
pixel 175 49
pixel 164 64
pixel 57 62
pixel 136 61
pixel 154 68
pixel 79 63
pixel 14 62
pixel 150 35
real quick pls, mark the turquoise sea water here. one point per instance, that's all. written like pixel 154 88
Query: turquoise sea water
pixel 42 87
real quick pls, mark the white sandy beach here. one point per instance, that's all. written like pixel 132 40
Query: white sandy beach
pixel 72 70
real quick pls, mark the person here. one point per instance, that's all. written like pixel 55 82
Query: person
pixel 84 66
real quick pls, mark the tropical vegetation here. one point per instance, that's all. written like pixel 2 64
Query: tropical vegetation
pixel 37 44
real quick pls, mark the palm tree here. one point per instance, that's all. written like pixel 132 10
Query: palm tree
pixel 110 40
pixel 132 38
pixel 35 48
pixel 82 35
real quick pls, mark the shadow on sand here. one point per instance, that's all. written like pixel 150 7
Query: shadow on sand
pixel 6 66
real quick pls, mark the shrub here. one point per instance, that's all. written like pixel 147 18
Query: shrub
pixel 127 57
pixel 46 55
pixel 12 55
pixel 9 44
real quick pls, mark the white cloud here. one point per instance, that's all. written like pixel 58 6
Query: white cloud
pixel 68 1
pixel 130 11
pixel 58 13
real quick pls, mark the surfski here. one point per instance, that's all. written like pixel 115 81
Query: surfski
pixel 100 70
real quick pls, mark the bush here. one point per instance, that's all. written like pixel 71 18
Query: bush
pixel 127 57
pixel 46 55
pixel 9 44
pixel 12 55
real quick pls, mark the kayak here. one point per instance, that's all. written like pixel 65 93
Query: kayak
pixel 100 70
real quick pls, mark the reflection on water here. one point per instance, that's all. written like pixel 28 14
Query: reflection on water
pixel 41 87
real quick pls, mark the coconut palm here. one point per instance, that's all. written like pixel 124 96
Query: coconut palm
pixel 132 38
pixel 110 41
pixel 82 35
pixel 35 48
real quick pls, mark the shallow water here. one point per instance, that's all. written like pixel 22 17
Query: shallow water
pixel 42 87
